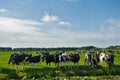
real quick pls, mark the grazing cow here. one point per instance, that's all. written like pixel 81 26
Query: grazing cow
pixel 33 59
pixel 18 58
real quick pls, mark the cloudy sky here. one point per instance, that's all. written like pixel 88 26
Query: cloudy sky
pixel 59 23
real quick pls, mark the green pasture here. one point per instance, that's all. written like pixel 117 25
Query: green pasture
pixel 42 71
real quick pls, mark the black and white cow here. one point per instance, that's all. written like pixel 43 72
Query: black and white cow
pixel 92 59
pixel 60 58
pixel 74 57
pixel 18 58
pixel 33 59
pixel 95 60
pixel 88 59
pixel 48 58
pixel 110 60
pixel 107 58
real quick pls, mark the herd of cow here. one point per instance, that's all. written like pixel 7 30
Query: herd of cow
pixel 91 59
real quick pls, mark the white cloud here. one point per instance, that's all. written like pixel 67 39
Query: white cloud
pixel 63 23
pixel 12 25
pixel 29 33
pixel 14 30
pixel 113 21
pixel 2 10
pixel 49 18
pixel 112 26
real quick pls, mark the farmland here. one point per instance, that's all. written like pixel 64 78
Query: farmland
pixel 42 71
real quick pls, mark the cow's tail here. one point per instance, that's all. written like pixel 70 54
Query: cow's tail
pixel 10 58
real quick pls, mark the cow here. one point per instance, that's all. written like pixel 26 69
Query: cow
pixel 92 59
pixel 110 60
pixel 48 58
pixel 95 60
pixel 18 58
pixel 33 59
pixel 88 59
pixel 103 57
pixel 74 57
pixel 60 58
pixel 56 58
pixel 107 59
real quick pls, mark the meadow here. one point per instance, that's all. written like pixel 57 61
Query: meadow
pixel 43 72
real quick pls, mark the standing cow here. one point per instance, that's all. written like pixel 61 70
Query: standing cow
pixel 107 59
pixel 74 57
pixel 47 57
pixel 33 59
pixel 18 58
pixel 92 59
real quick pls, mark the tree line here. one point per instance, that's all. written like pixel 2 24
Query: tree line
pixel 48 49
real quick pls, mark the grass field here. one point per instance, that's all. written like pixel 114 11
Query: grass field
pixel 42 71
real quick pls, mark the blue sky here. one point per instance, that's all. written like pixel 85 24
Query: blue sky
pixel 59 23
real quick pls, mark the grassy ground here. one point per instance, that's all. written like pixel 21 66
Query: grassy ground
pixel 41 71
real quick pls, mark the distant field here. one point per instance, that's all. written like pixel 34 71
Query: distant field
pixel 42 71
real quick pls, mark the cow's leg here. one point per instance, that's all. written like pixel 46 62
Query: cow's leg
pixel 59 63
pixel 65 64
pixel 105 64
pixel 112 63
pixel 49 63
pixel 71 64
pixel 93 64
pixel 90 64
pixel 56 64
pixel 74 65
pixel 78 64
pixel 68 64
pixel 12 66
pixel 16 66
pixel 32 65
pixel 22 65
pixel 85 62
